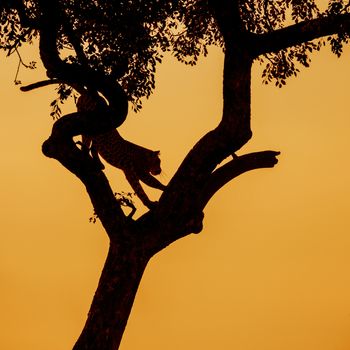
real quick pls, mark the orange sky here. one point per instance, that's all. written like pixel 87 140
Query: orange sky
pixel 270 271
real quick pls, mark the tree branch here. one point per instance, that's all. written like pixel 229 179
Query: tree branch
pixel 236 167
pixel 231 134
pixel 40 84
pixel 75 41
pixel 83 166
pixel 300 33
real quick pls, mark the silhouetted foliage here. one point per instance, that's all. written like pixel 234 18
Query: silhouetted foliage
pixel 126 39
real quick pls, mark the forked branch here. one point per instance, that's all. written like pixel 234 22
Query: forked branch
pixel 82 165
pixel 236 167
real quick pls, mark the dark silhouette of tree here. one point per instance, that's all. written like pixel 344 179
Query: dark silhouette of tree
pixel 112 47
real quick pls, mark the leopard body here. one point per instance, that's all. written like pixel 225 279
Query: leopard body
pixel 138 163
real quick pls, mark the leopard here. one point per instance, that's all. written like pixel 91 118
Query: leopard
pixel 138 163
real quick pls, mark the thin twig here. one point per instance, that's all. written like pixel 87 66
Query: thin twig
pixel 17 72
pixel 21 60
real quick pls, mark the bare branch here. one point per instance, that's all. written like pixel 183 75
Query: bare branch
pixel 300 33
pixel 40 84
pixel 236 167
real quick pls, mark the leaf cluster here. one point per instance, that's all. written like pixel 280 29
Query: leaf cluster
pixel 64 91
pixel 12 33
pixel 337 41
pixel 284 64
pixel 126 39
pixel 265 16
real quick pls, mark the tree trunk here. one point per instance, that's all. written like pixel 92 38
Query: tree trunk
pixel 113 299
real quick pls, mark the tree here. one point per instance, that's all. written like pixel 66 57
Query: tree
pixel 250 30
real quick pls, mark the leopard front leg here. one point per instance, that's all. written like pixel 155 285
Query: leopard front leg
pixel 151 181
pixel 136 186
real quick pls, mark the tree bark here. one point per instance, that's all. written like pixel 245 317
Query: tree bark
pixel 113 299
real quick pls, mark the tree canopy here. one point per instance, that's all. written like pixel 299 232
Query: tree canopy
pixel 123 39
pixel 126 39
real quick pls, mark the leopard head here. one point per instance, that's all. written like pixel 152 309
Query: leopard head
pixel 154 163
